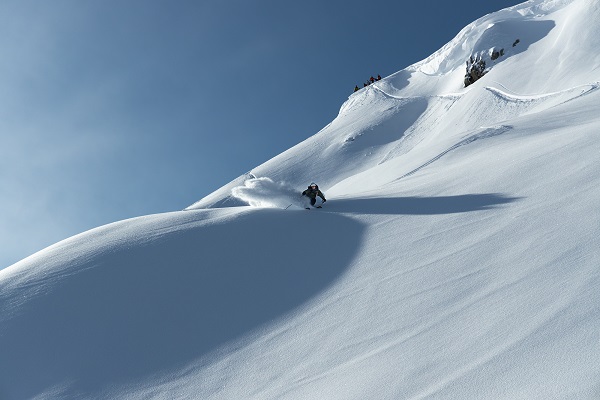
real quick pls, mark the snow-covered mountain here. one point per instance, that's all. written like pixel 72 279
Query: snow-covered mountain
pixel 456 258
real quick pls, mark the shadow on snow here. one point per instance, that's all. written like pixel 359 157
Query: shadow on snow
pixel 421 205
pixel 146 308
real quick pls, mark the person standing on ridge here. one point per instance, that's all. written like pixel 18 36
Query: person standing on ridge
pixel 312 192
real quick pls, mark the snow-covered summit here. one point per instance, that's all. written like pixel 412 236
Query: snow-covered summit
pixel 456 257
pixel 500 29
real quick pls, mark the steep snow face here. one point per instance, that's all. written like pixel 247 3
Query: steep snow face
pixel 456 257
pixel 427 101
pixel 369 125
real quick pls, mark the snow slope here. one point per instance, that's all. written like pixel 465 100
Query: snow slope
pixel 456 258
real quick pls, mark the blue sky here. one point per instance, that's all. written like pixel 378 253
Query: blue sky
pixel 115 109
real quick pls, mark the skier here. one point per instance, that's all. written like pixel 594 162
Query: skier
pixel 312 192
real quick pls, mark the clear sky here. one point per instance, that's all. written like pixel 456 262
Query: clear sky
pixel 114 109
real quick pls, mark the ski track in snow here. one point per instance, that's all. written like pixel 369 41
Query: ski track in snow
pixel 448 96
pixel 564 95
pixel 485 134
pixel 413 135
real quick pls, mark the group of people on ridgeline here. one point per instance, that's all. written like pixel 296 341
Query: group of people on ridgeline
pixel 368 82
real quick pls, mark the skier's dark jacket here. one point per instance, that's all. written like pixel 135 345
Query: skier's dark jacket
pixel 313 193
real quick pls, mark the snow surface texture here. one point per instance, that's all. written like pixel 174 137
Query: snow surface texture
pixel 456 258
